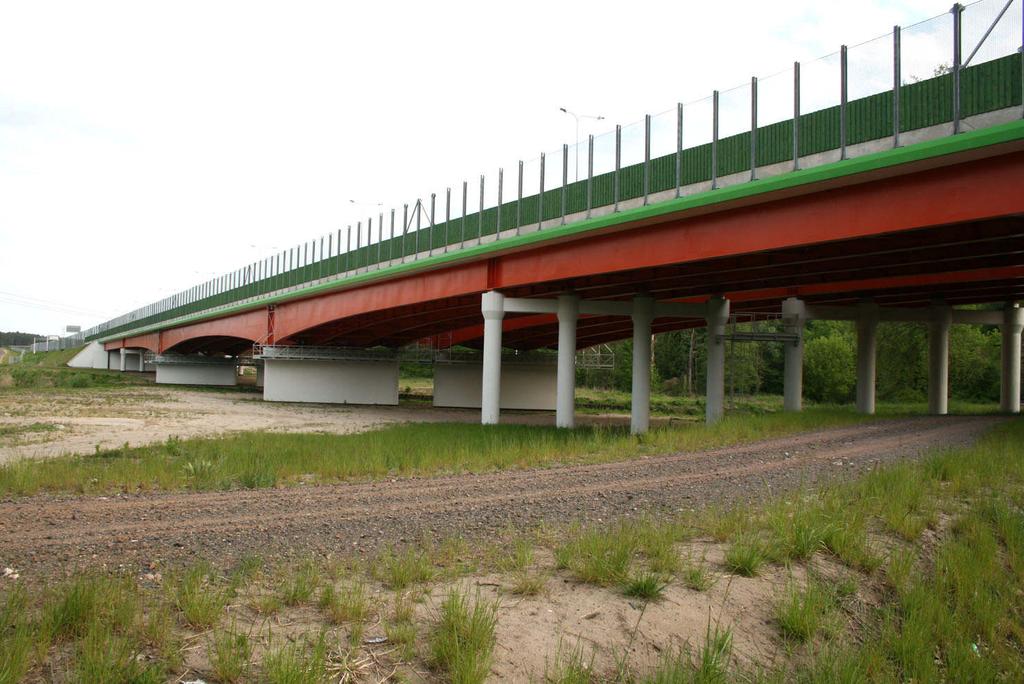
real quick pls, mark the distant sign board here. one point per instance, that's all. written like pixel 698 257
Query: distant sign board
pixel 73 329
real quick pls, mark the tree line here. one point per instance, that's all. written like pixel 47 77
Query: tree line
pixel 829 363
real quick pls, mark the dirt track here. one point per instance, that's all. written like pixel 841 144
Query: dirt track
pixel 45 536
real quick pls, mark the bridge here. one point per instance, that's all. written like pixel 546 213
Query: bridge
pixel 900 201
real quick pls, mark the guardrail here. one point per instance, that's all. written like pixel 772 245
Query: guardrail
pixel 943 72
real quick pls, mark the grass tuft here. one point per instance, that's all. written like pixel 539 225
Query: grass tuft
pixel 403 569
pixel 230 654
pixel 746 555
pixel 648 586
pixel 199 597
pixel 800 611
pixel 462 639
pixel 297 663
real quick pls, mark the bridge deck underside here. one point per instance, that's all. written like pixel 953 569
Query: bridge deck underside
pixel 902 237
pixel 962 263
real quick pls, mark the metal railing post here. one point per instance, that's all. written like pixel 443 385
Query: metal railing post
pixel 405 227
pixel 540 197
pixel 380 238
pixel 519 201
pixel 465 199
pixel 565 178
pixel 842 102
pixel 497 220
pixel 647 157
pixel 957 12
pixel 796 116
pixel 418 210
pixel 348 249
pixel 753 128
pixel 618 163
pixel 359 242
pixel 447 215
pixel 714 140
pixel 430 241
pixel 480 214
pixel 391 238
pixel 590 174
pixel 897 85
pixel 679 148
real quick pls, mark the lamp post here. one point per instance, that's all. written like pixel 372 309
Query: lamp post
pixel 577 117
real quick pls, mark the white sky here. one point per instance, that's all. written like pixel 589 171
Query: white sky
pixel 147 146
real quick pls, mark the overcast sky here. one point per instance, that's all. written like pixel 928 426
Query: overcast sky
pixel 145 147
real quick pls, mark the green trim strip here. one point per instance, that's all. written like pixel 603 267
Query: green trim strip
pixel 973 140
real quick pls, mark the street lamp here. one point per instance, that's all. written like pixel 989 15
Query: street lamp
pixel 576 116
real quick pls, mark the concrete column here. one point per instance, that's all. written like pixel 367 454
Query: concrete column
pixel 717 316
pixel 938 359
pixel 142 360
pixel 867 328
pixel 794 314
pixel 565 393
pixel 123 355
pixel 640 403
pixel 492 304
pixel 1013 322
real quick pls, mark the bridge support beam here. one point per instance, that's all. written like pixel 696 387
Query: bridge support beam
pixel 640 404
pixel 938 359
pixel 332 381
pixel 716 315
pixel 492 305
pixel 565 393
pixel 1013 322
pixel 202 372
pixel 867 329
pixel 794 314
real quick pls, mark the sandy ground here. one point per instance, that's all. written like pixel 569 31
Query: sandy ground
pixel 46 537
pixel 79 422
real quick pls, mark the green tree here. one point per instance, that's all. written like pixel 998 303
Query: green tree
pixel 829 368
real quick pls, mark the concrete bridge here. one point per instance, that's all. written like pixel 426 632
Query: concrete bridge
pixel 903 205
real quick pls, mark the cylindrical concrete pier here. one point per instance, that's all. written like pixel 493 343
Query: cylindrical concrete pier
pixel 717 316
pixel 643 316
pixel 867 334
pixel 1013 323
pixel 938 359
pixel 565 393
pixel 793 317
pixel 492 305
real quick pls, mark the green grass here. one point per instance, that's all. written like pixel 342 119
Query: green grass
pixel 48 370
pixel 599 555
pixel 299 662
pixel 800 612
pixel 300 584
pixel 348 604
pixel 746 555
pixel 571 666
pixel 647 586
pixel 401 569
pixel 261 459
pixel 462 638
pixel 199 597
pixel 230 653
pixel 16 636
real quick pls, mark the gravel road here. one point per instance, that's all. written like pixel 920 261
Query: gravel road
pixel 47 536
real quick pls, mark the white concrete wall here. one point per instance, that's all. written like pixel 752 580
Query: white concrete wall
pixel 331 382
pixel 114 360
pixel 523 386
pixel 92 356
pixel 221 374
